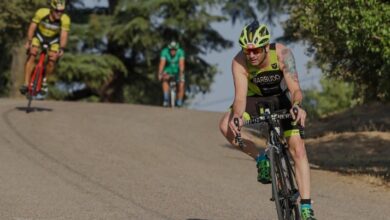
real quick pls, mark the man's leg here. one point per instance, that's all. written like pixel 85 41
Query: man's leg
pixel 302 173
pixel 53 57
pixel 302 168
pixel 165 89
pixel 180 93
pixel 249 148
pixel 50 66
pixel 28 68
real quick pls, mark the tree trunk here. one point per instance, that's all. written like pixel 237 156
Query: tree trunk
pixel 17 70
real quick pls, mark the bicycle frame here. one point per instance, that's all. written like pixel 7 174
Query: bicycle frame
pixel 284 188
pixel 35 83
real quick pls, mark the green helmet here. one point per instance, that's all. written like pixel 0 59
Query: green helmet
pixel 254 35
pixel 57 4
pixel 173 45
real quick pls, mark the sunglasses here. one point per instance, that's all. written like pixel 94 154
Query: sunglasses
pixel 59 11
pixel 255 51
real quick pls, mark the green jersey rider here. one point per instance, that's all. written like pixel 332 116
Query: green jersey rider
pixel 50 25
pixel 266 73
pixel 172 66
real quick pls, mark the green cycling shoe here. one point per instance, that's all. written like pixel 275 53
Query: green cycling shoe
pixel 263 169
pixel 307 214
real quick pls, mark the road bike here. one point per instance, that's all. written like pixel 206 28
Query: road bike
pixel 37 76
pixel 285 192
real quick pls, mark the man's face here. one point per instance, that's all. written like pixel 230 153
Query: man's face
pixel 173 52
pixel 255 55
pixel 56 13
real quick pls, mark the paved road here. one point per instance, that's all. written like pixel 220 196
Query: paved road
pixel 100 161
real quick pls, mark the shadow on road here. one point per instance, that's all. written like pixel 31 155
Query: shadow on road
pixel 34 109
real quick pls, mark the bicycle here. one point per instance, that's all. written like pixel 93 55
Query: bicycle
pixel 37 76
pixel 285 192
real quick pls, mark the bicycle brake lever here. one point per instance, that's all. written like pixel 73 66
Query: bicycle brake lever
pixel 238 139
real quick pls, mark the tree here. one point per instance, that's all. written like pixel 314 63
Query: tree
pixel 131 34
pixel 14 18
pixel 334 96
pixel 350 40
pixel 113 54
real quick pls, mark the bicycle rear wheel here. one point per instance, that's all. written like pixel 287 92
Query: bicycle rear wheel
pixel 282 190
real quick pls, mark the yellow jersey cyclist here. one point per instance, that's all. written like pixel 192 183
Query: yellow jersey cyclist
pixel 172 66
pixel 49 25
pixel 265 72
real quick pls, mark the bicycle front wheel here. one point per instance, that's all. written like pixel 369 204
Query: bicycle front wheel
pixel 281 187
pixel 33 92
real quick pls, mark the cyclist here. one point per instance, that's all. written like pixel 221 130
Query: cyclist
pixel 265 72
pixel 50 25
pixel 172 66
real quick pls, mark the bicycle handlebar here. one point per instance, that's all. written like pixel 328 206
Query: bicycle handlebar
pixel 265 118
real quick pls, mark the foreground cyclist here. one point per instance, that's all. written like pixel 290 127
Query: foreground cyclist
pixel 264 72
pixel 48 25
pixel 172 65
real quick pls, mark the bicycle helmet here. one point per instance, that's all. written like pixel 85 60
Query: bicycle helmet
pixel 57 4
pixel 173 45
pixel 254 35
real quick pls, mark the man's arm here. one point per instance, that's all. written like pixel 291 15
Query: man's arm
pixel 63 40
pixel 161 68
pixel 287 65
pixel 240 84
pixel 290 73
pixel 240 75
pixel 30 34
pixel 181 67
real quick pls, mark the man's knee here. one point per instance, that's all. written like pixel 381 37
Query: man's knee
pixel 224 125
pixel 53 56
pixel 33 51
pixel 298 147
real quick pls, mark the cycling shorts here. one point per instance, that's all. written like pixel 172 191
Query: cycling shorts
pixel 274 103
pixel 55 47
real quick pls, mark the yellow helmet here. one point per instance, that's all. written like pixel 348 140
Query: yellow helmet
pixel 57 4
pixel 254 35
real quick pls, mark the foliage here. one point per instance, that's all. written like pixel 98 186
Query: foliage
pixel 135 32
pixel 113 53
pixel 249 9
pixel 14 18
pixel 335 96
pixel 350 40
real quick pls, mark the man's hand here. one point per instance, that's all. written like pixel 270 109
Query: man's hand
pixel 61 52
pixel 27 45
pixel 298 114
pixel 163 76
pixel 233 126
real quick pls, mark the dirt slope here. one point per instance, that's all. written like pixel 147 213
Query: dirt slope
pixel 100 161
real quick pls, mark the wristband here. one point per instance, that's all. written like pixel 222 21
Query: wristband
pixel 297 103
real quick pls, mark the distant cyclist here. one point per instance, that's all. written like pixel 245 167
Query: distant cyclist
pixel 265 72
pixel 172 66
pixel 49 25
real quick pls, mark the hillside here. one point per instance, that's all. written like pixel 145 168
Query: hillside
pixel 356 141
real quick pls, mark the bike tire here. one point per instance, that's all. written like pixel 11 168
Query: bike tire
pixel 292 187
pixel 279 187
pixel 172 96
pixel 33 92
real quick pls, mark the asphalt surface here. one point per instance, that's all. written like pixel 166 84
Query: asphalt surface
pixel 70 160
